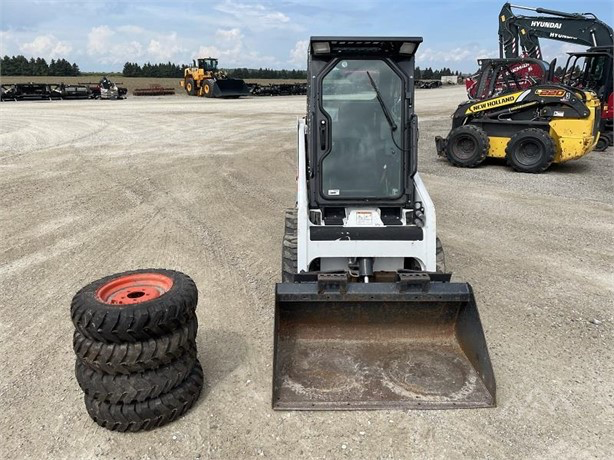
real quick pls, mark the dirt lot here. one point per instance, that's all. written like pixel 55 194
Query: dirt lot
pixel 89 188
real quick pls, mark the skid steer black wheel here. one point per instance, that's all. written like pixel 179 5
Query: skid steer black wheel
pixel 136 386
pixel 289 247
pixel 602 144
pixel 467 146
pixel 135 305
pixel 190 87
pixel 151 413
pixel 530 150
pixel 441 257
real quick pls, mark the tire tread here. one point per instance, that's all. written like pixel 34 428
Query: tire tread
pixel 150 413
pixel 289 257
pixel 128 357
pixel 483 139
pixel 138 386
pixel 548 142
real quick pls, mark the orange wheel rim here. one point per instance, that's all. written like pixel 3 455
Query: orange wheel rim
pixel 133 289
pixel 207 89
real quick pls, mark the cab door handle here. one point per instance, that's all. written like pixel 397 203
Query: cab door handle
pixel 323 134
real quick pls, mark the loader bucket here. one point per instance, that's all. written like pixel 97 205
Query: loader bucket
pixel 230 87
pixel 379 346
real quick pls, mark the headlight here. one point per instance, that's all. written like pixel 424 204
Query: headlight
pixel 407 48
pixel 321 48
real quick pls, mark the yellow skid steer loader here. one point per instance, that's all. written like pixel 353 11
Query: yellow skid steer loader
pixel 531 128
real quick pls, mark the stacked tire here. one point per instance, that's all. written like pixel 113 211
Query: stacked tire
pixel 135 342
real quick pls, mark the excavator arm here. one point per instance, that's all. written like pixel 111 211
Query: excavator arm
pixel 521 34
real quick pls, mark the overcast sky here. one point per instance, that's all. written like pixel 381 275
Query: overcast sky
pixel 103 35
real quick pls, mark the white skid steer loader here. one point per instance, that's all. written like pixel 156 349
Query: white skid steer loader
pixel 363 319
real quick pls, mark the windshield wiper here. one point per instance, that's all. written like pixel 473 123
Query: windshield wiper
pixel 393 125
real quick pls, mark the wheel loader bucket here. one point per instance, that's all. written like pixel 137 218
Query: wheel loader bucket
pixel 379 346
pixel 230 87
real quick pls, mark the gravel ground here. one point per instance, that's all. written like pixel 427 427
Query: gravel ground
pixel 90 188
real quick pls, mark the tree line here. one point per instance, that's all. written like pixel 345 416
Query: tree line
pixel 20 65
pixel 430 74
pixel 168 70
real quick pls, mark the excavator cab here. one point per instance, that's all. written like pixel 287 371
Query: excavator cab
pixel 363 318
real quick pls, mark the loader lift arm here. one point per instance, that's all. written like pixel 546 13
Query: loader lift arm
pixel 520 34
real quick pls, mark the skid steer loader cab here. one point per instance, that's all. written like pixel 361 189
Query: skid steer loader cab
pixel 362 318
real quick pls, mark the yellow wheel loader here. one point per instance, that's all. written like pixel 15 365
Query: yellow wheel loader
pixel 204 79
pixel 530 127
pixel 363 317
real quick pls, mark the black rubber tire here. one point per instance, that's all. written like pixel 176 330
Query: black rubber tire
pixel 137 386
pixel 289 258
pixel 440 256
pixel 124 358
pixel 530 150
pixel 189 83
pixel 467 146
pixel 602 144
pixel 135 322
pixel 151 413
pixel 208 88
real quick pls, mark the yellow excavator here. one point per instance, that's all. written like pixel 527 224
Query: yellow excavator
pixel 204 79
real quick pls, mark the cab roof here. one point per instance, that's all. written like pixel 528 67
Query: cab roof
pixel 380 46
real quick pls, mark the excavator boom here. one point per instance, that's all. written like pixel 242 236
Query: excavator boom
pixel 520 34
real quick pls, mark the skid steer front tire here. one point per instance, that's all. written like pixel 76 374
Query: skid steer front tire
pixel 289 260
pixel 134 306
pixel 467 146
pixel 530 150
pixel 151 413
pixel 440 256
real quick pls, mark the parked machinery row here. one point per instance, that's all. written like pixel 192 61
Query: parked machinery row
pixel 205 79
pixel 282 89
pixel 105 89
pixel 428 84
